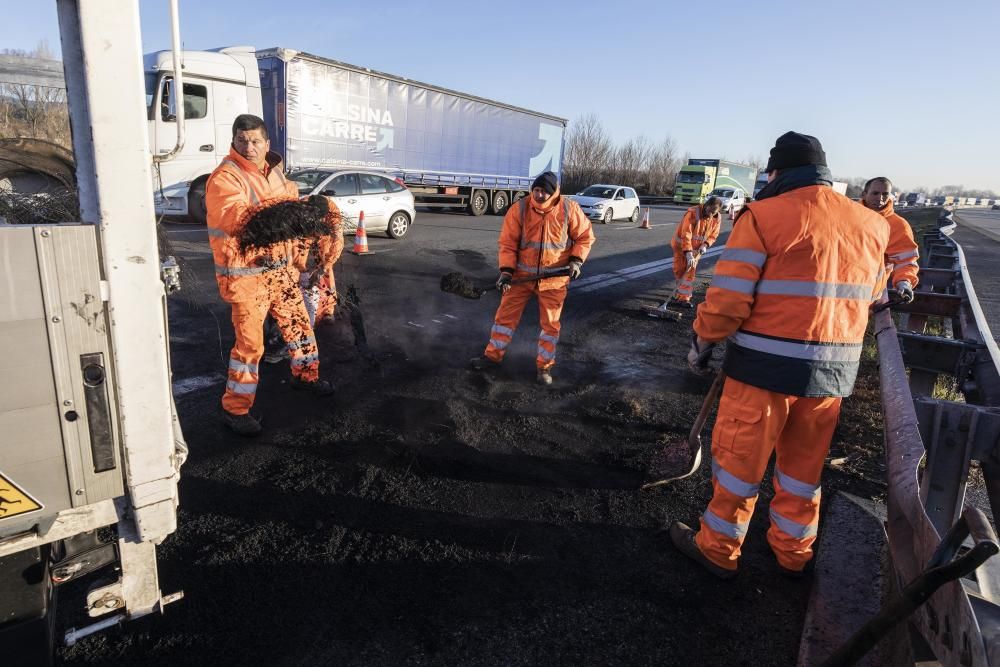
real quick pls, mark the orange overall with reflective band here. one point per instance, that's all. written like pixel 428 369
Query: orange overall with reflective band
pixel 791 292
pixel 535 238
pixel 321 298
pixel 693 231
pixel 902 254
pixel 256 284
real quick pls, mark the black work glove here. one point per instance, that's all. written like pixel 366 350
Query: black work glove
pixel 319 202
pixel 575 268
pixel 905 291
pixel 503 281
pixel 700 354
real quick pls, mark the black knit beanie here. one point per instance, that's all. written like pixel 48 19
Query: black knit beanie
pixel 796 150
pixel 546 181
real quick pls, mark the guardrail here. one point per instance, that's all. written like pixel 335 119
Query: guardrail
pixel 931 444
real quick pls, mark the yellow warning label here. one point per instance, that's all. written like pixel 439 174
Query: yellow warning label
pixel 14 500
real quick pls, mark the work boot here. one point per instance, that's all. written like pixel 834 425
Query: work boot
pixel 244 425
pixel 482 363
pixel 316 387
pixel 677 303
pixel 682 536
pixel 544 376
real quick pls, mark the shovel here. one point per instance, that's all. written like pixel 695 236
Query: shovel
pixel 462 285
pixel 694 437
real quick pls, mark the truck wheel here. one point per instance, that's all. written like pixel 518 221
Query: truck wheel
pixel 500 202
pixel 478 203
pixel 197 212
pixel 399 224
pixel 635 215
pixel 609 215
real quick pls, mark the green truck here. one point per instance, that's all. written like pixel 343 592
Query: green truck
pixel 698 178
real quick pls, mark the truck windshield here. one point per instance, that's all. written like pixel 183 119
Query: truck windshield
pixel 598 191
pixel 692 177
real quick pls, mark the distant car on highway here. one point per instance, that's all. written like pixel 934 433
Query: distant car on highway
pixel 387 204
pixel 733 199
pixel 995 207
pixel 608 202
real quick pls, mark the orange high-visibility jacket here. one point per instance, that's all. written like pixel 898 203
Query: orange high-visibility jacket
pixel 235 186
pixel 792 290
pixel 328 248
pixel 902 253
pixel 694 229
pixel 539 237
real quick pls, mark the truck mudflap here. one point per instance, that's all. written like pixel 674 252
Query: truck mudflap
pixel 27 608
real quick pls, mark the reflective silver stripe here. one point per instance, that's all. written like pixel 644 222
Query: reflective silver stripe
pixel 254 199
pixel 795 487
pixel 498 344
pixel 695 237
pixel 240 367
pixel 793 528
pixel 733 484
pixel 240 270
pixel 903 255
pixel 545 354
pixel 548 338
pixel 543 246
pixel 500 329
pixel 242 387
pixel 743 255
pixel 741 285
pixel 816 290
pixel 212 231
pixel 737 531
pixel 304 360
pixel 896 267
pixel 302 343
pixel 810 351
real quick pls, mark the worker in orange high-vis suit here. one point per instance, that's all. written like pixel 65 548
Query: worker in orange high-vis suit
pixel 542 232
pixel 791 292
pixel 258 284
pixel 314 260
pixel 902 254
pixel 695 234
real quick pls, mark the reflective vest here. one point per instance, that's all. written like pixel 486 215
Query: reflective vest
pixel 792 290
pixel 694 229
pixel 902 254
pixel 233 189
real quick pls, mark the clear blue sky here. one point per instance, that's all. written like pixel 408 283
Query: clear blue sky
pixel 905 89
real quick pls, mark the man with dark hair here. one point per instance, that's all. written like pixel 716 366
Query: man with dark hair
pixel 541 232
pixel 791 292
pixel 697 231
pixel 902 253
pixel 250 177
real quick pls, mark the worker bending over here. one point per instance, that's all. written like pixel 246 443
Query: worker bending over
pixel 791 292
pixel 902 253
pixel 695 234
pixel 540 233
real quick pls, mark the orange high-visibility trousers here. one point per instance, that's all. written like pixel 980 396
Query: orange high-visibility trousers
pixel 550 305
pixel 279 295
pixel 684 276
pixel 750 425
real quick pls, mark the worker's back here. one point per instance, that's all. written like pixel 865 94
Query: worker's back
pixel 812 261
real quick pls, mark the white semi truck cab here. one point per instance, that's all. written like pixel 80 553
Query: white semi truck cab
pixel 90 447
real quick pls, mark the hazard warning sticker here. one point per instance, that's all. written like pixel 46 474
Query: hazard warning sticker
pixel 15 501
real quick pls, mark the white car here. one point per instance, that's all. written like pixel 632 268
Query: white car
pixel 608 202
pixel 386 203
pixel 732 199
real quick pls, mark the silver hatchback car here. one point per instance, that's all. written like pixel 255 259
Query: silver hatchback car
pixel 386 203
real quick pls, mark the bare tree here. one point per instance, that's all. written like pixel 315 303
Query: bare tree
pixel 664 164
pixel 588 153
pixel 34 111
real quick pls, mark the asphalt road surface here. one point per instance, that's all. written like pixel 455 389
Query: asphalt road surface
pixel 429 514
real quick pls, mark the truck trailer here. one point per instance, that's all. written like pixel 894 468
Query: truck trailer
pixel 699 177
pixel 449 148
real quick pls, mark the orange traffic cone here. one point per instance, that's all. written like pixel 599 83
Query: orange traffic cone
pixel 360 237
pixel 645 220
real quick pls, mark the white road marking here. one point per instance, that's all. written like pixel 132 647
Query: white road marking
pixel 187 385
pixel 450 317
pixel 414 324
pixel 630 273
pixel 437 321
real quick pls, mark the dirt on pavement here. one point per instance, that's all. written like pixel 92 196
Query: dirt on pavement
pixel 430 514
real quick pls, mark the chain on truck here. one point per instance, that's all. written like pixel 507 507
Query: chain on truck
pixel 91 447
